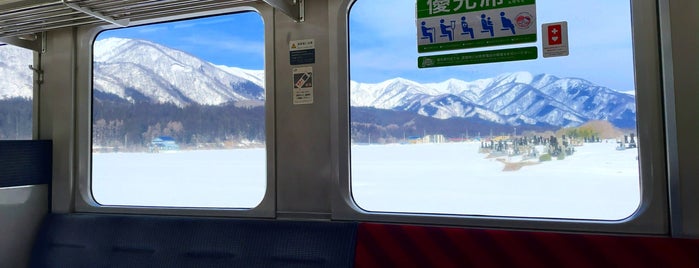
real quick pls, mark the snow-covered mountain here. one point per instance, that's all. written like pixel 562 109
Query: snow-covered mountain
pixel 255 76
pixel 134 69
pixel 138 70
pixel 512 98
pixel 15 75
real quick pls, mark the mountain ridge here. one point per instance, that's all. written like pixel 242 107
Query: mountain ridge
pixel 512 98
pixel 139 70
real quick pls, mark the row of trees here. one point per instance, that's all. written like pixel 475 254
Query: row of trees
pixel 117 123
pixel 370 125
pixel 120 124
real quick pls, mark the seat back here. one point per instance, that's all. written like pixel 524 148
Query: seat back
pixel 98 240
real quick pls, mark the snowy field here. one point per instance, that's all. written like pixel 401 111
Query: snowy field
pixel 215 178
pixel 597 182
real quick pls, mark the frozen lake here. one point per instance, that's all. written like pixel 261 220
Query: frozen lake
pixel 597 182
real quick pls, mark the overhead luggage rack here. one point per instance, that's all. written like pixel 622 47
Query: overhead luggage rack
pixel 21 18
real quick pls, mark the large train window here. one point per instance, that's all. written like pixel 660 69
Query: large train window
pixel 16 93
pixel 178 115
pixel 522 136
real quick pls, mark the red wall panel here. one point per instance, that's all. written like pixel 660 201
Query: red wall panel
pixel 387 245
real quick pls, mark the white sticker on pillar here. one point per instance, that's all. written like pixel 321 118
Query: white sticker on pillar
pixel 555 39
pixel 303 85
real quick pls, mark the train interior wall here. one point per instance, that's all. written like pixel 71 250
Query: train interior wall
pixel 307 167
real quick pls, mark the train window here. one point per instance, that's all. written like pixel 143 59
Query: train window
pixel 551 137
pixel 178 117
pixel 16 93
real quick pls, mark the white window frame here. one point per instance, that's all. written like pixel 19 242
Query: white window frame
pixel 83 198
pixel 650 218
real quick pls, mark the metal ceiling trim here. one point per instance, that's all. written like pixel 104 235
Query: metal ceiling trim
pixel 49 15
pixel 97 14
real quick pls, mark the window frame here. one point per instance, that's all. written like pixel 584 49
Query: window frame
pixel 679 54
pixel 650 218
pixel 36 47
pixel 83 198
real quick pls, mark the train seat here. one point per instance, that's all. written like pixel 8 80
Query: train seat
pixel 393 245
pixel 107 240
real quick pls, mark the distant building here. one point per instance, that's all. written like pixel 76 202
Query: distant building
pixel 163 143
pixel 438 138
pixel 414 139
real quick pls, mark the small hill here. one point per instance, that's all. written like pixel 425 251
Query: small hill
pixel 604 129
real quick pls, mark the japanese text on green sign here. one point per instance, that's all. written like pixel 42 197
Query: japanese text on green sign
pixel 514 54
pixel 431 8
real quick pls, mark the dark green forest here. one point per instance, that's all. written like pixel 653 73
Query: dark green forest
pixel 121 125
pixel 371 125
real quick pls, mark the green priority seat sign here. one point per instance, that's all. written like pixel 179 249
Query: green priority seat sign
pixel 459 24
pixel 502 55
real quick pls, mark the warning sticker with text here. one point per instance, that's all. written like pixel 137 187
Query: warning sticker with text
pixel 302 52
pixel 303 85
pixel 555 39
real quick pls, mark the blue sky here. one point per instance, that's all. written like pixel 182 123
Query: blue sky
pixel 383 43
pixel 232 40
